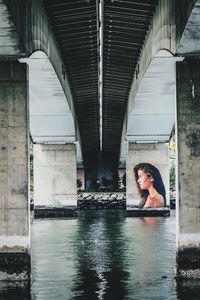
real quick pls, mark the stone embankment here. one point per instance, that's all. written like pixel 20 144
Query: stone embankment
pixel 101 201
pixel 54 212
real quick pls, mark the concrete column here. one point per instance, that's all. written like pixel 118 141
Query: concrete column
pixel 188 181
pixel 55 175
pixel 157 155
pixel 14 204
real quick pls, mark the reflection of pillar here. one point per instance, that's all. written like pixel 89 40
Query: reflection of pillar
pixel 55 175
pixel 157 155
pixel 188 183
pixel 14 206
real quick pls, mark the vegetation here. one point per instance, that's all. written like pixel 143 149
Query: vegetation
pixel 31 167
pixel 172 177
pixel 124 180
pixel 79 184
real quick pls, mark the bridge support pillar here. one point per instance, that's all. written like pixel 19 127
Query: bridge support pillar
pixel 188 179
pixel 55 175
pixel 157 155
pixel 14 204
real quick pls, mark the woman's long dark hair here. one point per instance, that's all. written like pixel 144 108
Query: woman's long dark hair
pixel 152 171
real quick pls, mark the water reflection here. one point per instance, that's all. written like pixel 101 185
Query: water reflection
pixel 103 255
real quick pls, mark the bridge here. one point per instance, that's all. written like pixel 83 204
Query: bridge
pixel 101 83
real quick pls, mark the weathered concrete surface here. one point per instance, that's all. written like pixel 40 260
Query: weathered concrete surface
pixel 9 40
pixel 160 36
pixel 156 154
pixel 14 204
pixel 187 27
pixel 188 129
pixel 55 175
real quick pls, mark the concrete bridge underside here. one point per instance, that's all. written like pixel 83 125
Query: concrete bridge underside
pixel 100 51
pixel 73 34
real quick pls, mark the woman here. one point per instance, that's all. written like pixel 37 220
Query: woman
pixel 150 186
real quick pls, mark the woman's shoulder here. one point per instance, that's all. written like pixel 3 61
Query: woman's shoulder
pixel 156 201
pixel 160 197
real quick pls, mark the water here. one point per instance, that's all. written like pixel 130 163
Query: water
pixel 102 255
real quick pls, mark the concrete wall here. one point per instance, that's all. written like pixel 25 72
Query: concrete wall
pixel 14 202
pixel 55 175
pixel 188 183
pixel 157 155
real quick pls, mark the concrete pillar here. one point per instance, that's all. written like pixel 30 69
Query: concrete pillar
pixel 14 204
pixel 157 155
pixel 55 175
pixel 188 179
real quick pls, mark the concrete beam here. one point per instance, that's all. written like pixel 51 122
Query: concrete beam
pixel 51 120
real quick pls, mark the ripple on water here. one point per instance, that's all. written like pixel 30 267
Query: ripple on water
pixel 103 255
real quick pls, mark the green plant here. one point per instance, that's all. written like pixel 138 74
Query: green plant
pixel 172 177
pixel 79 183
pixel 31 167
pixel 124 179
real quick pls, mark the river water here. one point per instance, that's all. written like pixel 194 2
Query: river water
pixel 102 255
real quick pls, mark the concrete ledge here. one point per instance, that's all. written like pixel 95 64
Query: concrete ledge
pixel 55 212
pixel 15 266
pixel 147 212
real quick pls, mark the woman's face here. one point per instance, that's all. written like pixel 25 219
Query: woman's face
pixel 144 181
